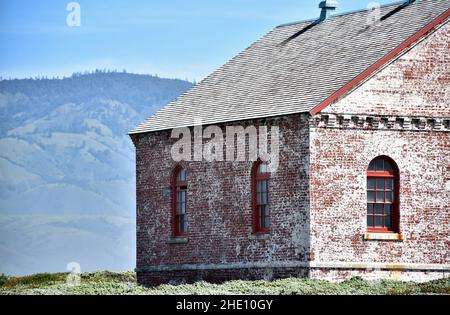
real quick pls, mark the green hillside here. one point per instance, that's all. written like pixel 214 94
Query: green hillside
pixel 67 169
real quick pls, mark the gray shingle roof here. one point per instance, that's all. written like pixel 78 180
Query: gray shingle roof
pixel 280 75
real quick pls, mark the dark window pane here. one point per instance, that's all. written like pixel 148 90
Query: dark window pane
pixel 379 221
pixel 389 184
pixel 264 220
pixel 264 198
pixel 258 198
pixel 181 175
pixel 258 186
pixel 370 209
pixel 389 196
pixel 380 196
pixel 267 222
pixel 372 166
pixel 261 216
pixel 183 224
pixel 380 183
pixel 388 222
pixel 370 196
pixel 387 209
pixel 261 211
pixel 371 183
pixel 370 221
pixel 388 167
pixel 379 165
pixel 264 185
pixel 379 209
pixel 267 210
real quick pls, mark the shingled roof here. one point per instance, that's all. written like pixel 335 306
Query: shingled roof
pixel 297 67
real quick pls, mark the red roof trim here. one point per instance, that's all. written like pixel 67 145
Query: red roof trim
pixel 381 62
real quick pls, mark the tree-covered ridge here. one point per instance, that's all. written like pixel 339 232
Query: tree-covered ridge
pixel 30 98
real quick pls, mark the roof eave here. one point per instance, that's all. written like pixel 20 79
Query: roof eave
pixel 138 132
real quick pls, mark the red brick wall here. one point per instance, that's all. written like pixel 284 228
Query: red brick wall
pixel 417 84
pixel 339 161
pixel 219 204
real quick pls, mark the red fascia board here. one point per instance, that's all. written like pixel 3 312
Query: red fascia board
pixel 381 62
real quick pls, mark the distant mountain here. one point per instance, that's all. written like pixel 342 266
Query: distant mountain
pixel 67 168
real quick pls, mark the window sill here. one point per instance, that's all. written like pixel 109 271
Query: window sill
pixel 398 237
pixel 260 236
pixel 179 240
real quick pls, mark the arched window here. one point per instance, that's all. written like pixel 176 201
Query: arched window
pixel 382 196
pixel 261 212
pixel 179 202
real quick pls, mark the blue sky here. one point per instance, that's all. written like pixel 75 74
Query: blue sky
pixel 171 38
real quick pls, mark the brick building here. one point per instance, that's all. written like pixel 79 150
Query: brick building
pixel 362 184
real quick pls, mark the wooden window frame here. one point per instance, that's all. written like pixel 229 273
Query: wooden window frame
pixel 395 210
pixel 256 176
pixel 176 187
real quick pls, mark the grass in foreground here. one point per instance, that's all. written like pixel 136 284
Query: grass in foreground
pixel 109 283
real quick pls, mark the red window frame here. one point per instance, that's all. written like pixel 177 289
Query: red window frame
pixel 380 171
pixel 179 203
pixel 260 199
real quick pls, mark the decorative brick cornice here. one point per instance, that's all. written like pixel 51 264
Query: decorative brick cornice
pixel 380 122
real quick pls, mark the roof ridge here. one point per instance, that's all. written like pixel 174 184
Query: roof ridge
pixel 341 14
